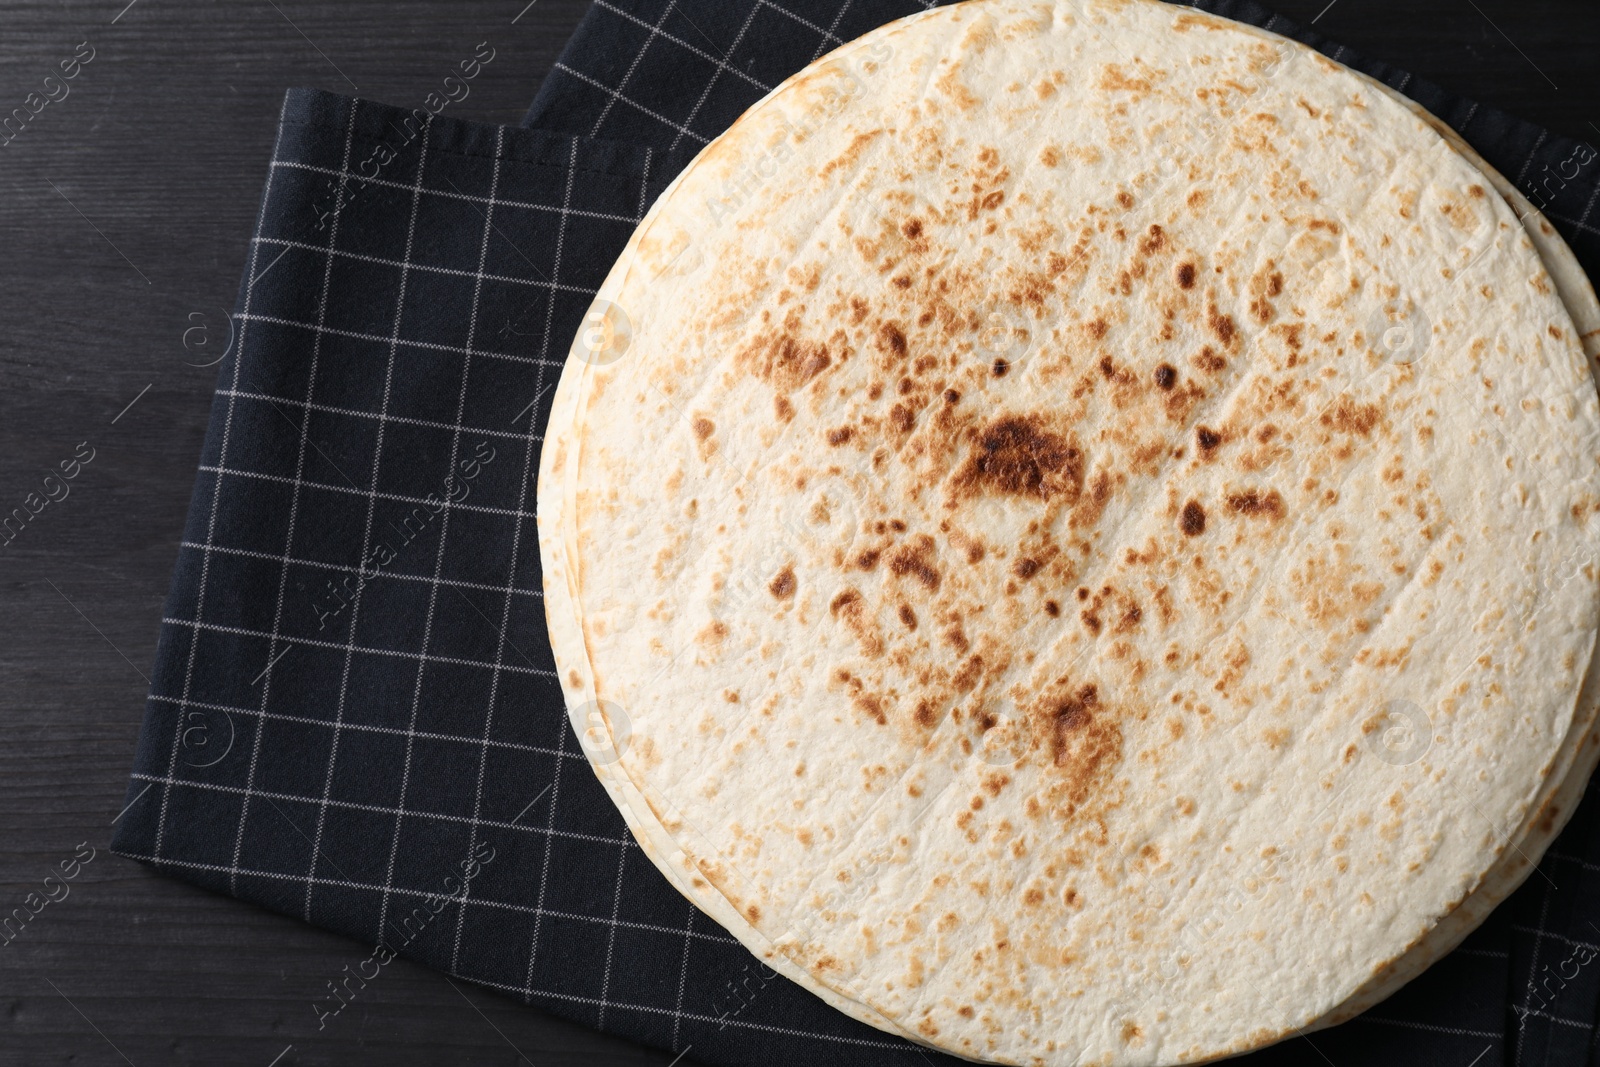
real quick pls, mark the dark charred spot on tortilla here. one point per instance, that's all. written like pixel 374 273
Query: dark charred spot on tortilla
pixel 784 409
pixel 907 386
pixel 1073 713
pixel 868 559
pixel 782 586
pixel 1253 502
pixel 1083 592
pixel 892 336
pixel 1125 199
pixel 902 418
pixel 704 427
pixel 908 616
pixel 951 396
pixel 1016 455
pixel 1091 620
pixel 1193 519
pixel 975 553
pixel 1025 568
pixel 1155 240
pixel 1084 744
pixel 916 560
pixel 1185 274
pixel 924 714
pixel 875 390
pixel 1052 609
pixel 1069 716
pixel 901 281
pixel 1108 369
pixel 845 601
pixel 912 228
pixel 1000 368
pixel 839 435
pixel 1166 376
pixel 1208 440
pixel 897 525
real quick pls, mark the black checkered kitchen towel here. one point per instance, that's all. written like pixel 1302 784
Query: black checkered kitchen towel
pixel 353 717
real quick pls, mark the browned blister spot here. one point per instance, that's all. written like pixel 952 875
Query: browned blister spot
pixel 1166 376
pixel 703 427
pixel 902 418
pixel 840 435
pixel 893 338
pixel 1185 275
pixel 783 585
pixel 1083 740
pixel 1154 240
pixel 1208 360
pixel 1348 417
pixel 872 704
pixel 1223 326
pixel 916 559
pixel 1193 519
pixel 785 361
pixel 1017 455
pixel 1254 503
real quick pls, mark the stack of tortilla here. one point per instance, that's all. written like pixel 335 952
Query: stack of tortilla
pixel 1070 530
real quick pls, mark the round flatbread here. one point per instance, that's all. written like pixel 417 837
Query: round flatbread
pixel 1078 550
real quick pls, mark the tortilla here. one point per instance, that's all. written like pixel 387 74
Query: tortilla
pixel 1023 849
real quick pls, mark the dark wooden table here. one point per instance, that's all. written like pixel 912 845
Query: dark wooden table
pixel 125 209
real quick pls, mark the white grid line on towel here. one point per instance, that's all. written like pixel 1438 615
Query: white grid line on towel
pixel 363 727
pixel 459 661
pixel 347 568
pixel 449 194
pixel 294 506
pixel 372 509
pixel 481 902
pixel 330 487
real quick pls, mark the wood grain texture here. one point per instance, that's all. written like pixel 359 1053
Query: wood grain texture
pixel 125 209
